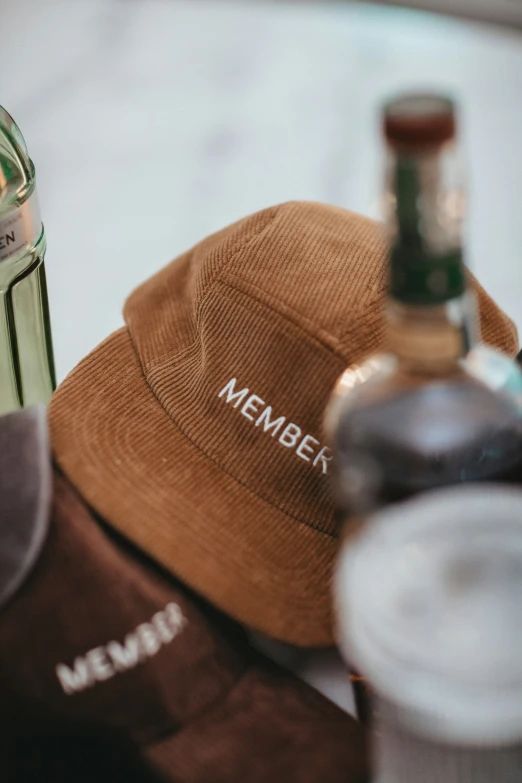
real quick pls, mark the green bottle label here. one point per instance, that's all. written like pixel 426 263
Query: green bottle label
pixel 423 279
pixel 418 275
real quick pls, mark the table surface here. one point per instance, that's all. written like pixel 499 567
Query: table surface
pixel 155 122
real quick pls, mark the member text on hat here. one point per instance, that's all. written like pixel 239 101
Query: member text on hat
pixel 291 436
pixel 102 663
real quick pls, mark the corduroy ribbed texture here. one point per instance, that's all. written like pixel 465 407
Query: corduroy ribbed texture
pixel 96 638
pixel 212 486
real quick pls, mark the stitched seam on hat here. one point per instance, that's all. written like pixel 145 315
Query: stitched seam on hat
pixel 322 705
pixel 237 248
pixel 240 244
pixel 317 343
pixel 305 325
pixel 220 699
pixel 301 322
pixel 309 525
pixel 217 703
pixel 332 343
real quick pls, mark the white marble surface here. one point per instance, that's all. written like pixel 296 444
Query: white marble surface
pixel 154 122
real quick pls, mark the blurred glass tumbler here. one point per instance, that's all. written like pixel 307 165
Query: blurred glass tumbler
pixel 429 608
pixel 26 355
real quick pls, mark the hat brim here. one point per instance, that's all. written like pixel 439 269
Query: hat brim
pixel 138 470
pixel 270 727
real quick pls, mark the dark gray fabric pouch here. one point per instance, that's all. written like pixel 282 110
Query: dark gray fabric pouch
pixel 25 495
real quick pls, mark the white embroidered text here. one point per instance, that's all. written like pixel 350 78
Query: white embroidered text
pixel 289 434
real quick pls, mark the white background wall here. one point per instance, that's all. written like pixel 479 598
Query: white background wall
pixel 154 122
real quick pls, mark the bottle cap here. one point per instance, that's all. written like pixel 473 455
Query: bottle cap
pixel 419 120
pixel 429 609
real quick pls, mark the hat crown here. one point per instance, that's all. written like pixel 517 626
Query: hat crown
pixel 242 339
pixel 321 265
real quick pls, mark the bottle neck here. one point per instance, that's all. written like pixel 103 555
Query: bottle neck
pixel 403 757
pixel 431 339
pixel 430 312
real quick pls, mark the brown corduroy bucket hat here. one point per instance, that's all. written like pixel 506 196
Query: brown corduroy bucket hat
pixel 196 430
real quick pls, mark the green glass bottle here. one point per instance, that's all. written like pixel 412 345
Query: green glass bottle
pixel 27 373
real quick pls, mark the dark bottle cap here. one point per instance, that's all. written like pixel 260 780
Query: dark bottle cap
pixel 419 120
